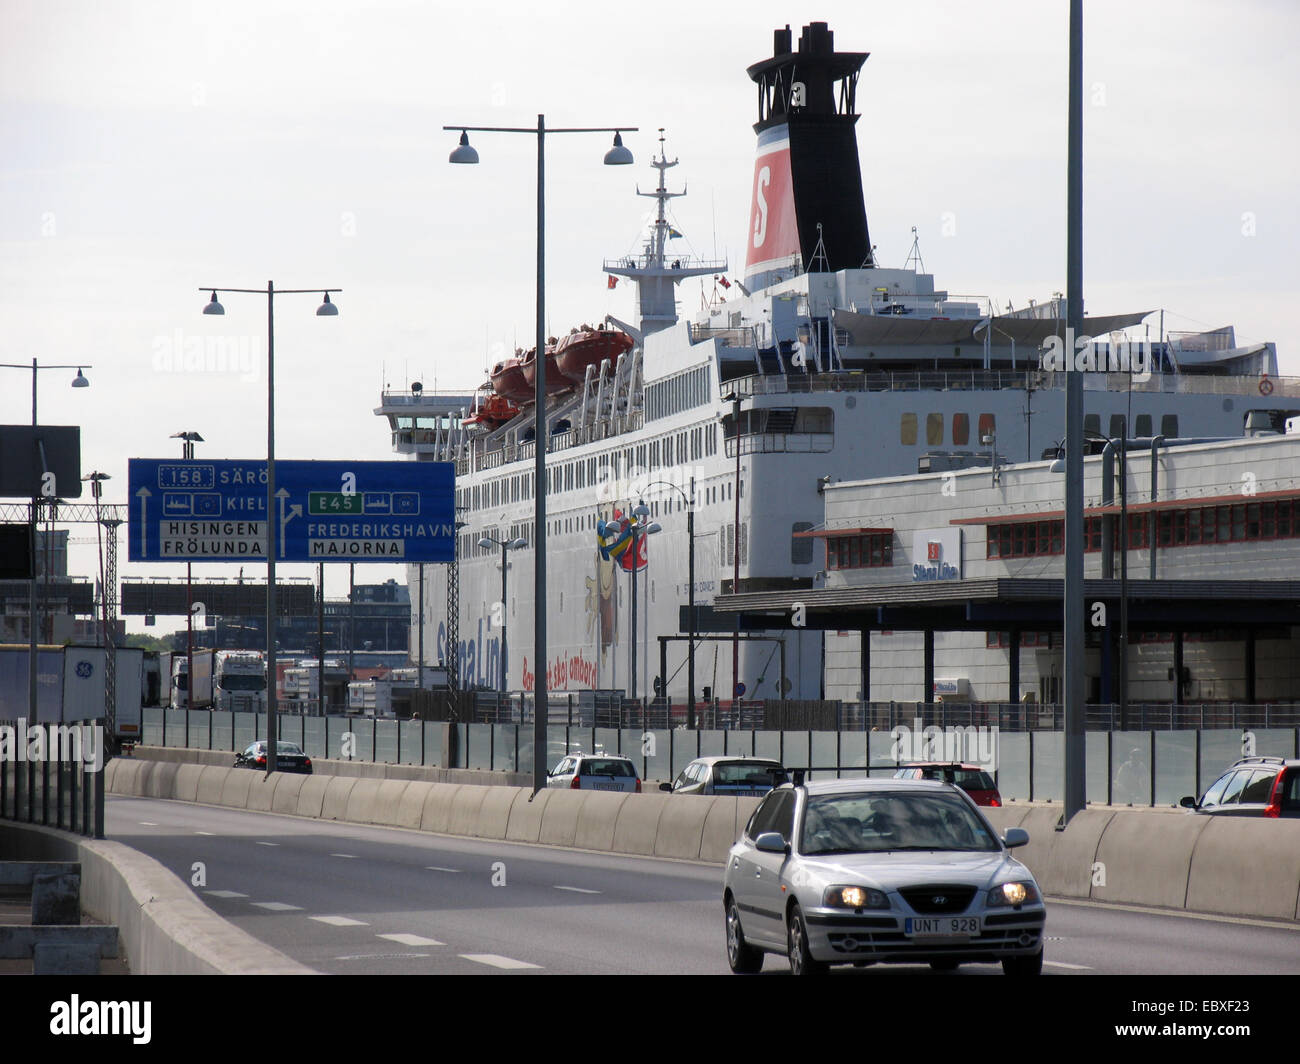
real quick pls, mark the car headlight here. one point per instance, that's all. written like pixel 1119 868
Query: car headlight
pixel 851 897
pixel 1016 893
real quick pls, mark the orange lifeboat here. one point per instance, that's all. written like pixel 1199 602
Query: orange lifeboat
pixel 493 411
pixel 586 346
pixel 555 380
pixel 508 380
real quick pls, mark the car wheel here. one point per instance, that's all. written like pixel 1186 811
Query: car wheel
pixel 944 965
pixel 1023 965
pixel 801 959
pixel 743 958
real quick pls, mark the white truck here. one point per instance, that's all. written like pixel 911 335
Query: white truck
pixel 239 681
pixel 196 695
pixel 390 695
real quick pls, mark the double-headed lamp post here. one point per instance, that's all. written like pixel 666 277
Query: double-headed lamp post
pixel 487 542
pixel 689 500
pixel 79 381
pixel 617 155
pixel 639 531
pixel 325 310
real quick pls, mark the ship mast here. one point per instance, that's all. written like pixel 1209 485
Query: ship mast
pixel 655 276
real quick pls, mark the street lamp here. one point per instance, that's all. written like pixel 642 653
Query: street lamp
pixel 639 530
pixel 326 309
pixel 690 594
pixel 616 156
pixel 79 381
pixel 734 399
pixel 508 545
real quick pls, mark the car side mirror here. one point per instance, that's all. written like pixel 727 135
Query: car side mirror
pixel 771 842
pixel 666 787
pixel 1015 837
pixel 1188 802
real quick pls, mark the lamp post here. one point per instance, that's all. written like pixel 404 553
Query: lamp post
pixel 616 156
pixel 639 531
pixel 690 595
pixel 325 310
pixel 79 381
pixel 188 440
pixel 734 399
pixel 507 545
pixel 96 480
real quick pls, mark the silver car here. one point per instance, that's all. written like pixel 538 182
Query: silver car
pixel 879 871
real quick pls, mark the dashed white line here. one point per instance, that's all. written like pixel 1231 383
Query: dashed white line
pixel 278 906
pixel 148 824
pixel 578 890
pixel 350 856
pixel 203 833
pixel 411 940
pixel 1072 967
pixel 225 894
pixel 339 921
pixel 495 960
pixel 268 844
pixel 380 956
pixel 437 868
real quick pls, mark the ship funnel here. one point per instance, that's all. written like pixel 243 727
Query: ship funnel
pixel 806 174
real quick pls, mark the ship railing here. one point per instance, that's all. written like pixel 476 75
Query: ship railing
pixel 727 336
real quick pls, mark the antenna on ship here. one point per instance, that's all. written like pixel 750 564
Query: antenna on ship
pixel 819 263
pixel 915 254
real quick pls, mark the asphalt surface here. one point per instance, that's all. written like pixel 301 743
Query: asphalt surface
pixel 351 899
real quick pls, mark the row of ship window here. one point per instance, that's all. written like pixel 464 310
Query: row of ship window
pixel 682 392
pixel 986 425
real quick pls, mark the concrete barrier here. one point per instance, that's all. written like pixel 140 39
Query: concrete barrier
pixel 234 792
pixel 362 803
pixel 723 825
pixel 436 814
pixel 597 818
pixel 261 792
pixel 1228 875
pixel 465 804
pixel 164 929
pixel 526 814
pixel 680 831
pixel 560 817
pixel 287 793
pixel 212 781
pixel 494 812
pixel 186 785
pixel 1146 858
pixel 388 801
pixel 338 790
pixel 311 799
pixel 1068 869
pixel 410 808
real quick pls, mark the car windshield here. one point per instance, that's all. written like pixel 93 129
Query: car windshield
pixel 879 822
pixel 607 767
pixel 751 773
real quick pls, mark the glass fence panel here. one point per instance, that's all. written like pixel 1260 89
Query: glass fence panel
pixel 739 741
pixel 1219 749
pixel 559 741
pixel 605 741
pixel 479 754
pixel 223 732
pixel 880 753
pixel 412 745
pixel 151 727
pixel 433 743
pixel 853 753
pixel 1131 768
pixel 1013 766
pixel 713 742
pixel 386 741
pixel 1049 766
pixel 686 746
pixel 768 744
pixel 246 730
pixel 824 754
pixel 634 746
pixel 1273 742
pixel 525 748
pixel 197 729
pixel 1098 778
pixel 361 731
pixel 314 740
pixel 505 743
pixel 795 745
pixel 1175 766
pixel 174 719
pixel 658 762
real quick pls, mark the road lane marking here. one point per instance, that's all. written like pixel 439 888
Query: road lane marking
pixel 495 960
pixel 436 868
pixel 225 894
pixel 277 906
pixel 203 833
pixel 1072 967
pixel 148 824
pixel 350 856
pixel 578 890
pixel 268 844
pixel 380 956
pixel 411 940
pixel 339 921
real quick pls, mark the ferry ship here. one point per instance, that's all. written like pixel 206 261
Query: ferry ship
pixel 821 365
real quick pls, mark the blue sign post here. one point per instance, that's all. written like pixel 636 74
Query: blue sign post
pixel 197 511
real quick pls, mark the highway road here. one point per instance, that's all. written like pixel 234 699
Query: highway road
pixel 351 899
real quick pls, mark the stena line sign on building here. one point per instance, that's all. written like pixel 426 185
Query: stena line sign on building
pixel 936 554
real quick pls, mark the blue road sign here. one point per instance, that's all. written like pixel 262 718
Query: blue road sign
pixel 198 511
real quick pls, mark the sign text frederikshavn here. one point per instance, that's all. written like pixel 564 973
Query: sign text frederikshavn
pixel 324 511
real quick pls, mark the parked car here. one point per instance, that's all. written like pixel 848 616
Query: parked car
pixel 289 757
pixel 1253 786
pixel 970 778
pixel 744 776
pixel 595 772
pixel 879 871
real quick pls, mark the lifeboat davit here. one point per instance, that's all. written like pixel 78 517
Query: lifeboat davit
pixel 492 411
pixel 586 346
pixel 508 380
pixel 555 380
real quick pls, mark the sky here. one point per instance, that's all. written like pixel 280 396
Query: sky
pixel 153 148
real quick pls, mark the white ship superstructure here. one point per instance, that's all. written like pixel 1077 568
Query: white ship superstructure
pixel 820 366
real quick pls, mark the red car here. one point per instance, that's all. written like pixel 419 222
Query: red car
pixel 970 778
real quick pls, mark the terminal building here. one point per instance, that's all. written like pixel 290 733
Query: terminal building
pixel 1213 543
